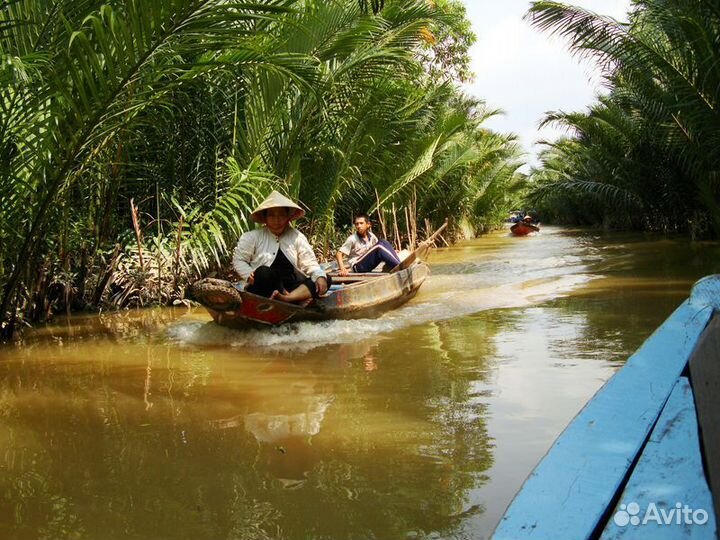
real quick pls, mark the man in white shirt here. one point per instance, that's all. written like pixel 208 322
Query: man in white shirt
pixel 277 260
pixel 364 250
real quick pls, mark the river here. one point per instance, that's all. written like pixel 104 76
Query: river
pixel 158 424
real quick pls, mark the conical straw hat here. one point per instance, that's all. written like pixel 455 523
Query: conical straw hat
pixel 276 200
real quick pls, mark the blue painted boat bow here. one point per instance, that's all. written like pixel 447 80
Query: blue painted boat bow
pixel 636 440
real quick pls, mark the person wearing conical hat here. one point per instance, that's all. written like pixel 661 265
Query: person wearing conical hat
pixel 277 260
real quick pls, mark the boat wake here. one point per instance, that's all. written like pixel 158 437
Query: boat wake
pixel 442 297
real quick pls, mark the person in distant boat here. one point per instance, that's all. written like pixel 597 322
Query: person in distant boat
pixel 277 260
pixel 364 250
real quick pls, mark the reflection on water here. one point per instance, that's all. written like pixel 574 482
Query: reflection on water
pixel 420 424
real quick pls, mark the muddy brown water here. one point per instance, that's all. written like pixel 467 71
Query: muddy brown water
pixel 157 424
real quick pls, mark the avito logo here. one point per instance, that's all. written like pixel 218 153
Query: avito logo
pixel 629 514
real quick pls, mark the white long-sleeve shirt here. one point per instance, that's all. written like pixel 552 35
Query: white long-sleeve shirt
pixel 259 248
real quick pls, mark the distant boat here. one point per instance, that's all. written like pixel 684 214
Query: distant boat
pixel 523 228
pixel 642 458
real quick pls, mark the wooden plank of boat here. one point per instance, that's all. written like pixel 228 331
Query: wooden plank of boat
pixel 669 471
pixel 355 278
pixel 570 492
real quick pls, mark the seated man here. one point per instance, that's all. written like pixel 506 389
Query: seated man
pixel 364 250
pixel 276 260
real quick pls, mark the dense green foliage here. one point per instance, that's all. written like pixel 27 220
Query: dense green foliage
pixel 136 136
pixel 646 155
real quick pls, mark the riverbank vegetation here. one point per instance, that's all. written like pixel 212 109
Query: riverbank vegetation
pixel 646 155
pixel 137 136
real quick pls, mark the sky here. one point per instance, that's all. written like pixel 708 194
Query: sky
pixel 527 73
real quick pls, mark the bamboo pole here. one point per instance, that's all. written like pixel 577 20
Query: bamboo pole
pixel 411 245
pixel 157 244
pixel 380 215
pixel 107 277
pixel 395 228
pixel 413 217
pixel 178 248
pixel 136 226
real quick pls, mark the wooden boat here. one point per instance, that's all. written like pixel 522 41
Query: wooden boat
pixel 642 458
pixel 523 228
pixel 360 296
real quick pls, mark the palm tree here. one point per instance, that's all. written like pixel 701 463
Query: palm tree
pixel 182 115
pixel 664 71
pixel 80 77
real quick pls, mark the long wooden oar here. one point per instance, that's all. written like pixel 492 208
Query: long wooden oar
pixel 420 251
